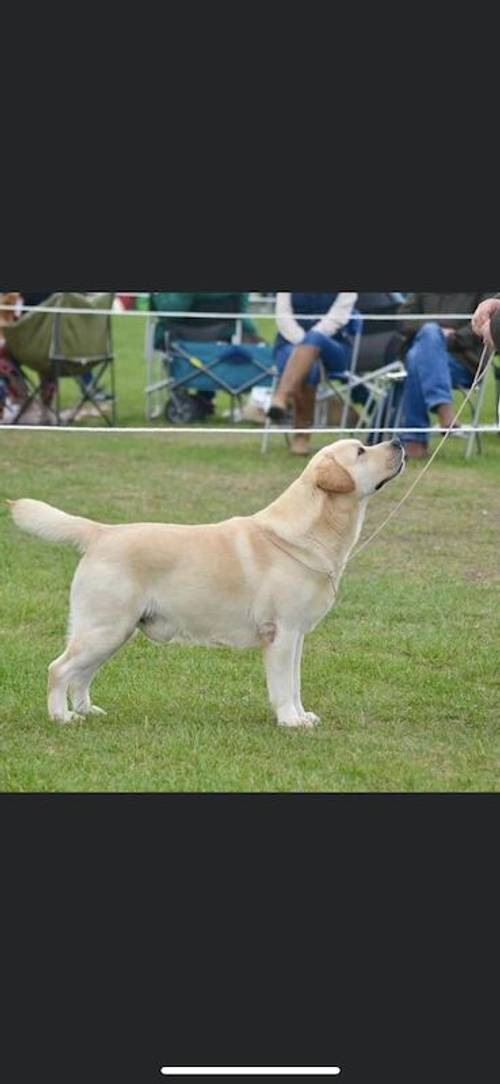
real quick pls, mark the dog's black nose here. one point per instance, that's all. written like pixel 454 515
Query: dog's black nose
pixel 396 443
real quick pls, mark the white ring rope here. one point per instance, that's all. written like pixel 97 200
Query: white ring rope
pixel 239 430
pixel 178 314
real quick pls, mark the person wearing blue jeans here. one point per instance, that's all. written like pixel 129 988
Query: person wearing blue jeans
pixel 335 354
pixel 432 373
pixel 442 353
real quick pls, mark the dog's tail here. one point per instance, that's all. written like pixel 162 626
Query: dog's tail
pixel 55 526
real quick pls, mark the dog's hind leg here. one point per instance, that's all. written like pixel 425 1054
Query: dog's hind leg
pixel 58 682
pixel 79 691
pixel 76 667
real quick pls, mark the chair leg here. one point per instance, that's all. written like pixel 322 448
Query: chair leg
pixel 58 397
pixel 268 423
pixel 34 391
pixel 113 392
pixel 476 415
pixel 497 396
pixel 87 396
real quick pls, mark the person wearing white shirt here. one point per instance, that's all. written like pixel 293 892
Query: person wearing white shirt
pixel 312 327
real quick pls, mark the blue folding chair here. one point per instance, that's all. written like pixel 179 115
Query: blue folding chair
pixel 185 371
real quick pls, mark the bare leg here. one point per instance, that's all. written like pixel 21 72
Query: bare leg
pixel 294 374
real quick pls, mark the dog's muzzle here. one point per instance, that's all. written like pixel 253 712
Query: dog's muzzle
pixel 400 456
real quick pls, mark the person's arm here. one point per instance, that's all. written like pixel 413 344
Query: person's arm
pixel 286 323
pixel 465 338
pixel 481 317
pixel 337 316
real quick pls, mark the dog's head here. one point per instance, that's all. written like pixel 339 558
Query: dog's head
pixel 350 467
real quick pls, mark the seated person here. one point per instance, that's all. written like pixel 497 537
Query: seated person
pixel 16 388
pixel 440 355
pixel 381 304
pixel 196 329
pixel 301 342
pixel 13 388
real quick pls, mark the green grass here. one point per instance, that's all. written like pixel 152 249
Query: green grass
pixel 404 672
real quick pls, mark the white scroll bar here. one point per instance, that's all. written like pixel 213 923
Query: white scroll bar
pixel 250 1070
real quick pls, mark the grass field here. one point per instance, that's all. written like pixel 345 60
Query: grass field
pixel 404 672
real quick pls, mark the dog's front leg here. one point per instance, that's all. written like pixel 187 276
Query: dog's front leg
pixel 308 717
pixel 280 663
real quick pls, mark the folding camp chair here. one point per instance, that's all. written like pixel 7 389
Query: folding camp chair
pixel 156 378
pixel 59 345
pixel 202 367
pixel 476 403
pixel 375 367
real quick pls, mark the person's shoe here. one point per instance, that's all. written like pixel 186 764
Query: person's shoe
pixel 301 444
pixel 415 449
pixel 276 413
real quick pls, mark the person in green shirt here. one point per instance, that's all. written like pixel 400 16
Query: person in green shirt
pixel 201 329
pixel 209 329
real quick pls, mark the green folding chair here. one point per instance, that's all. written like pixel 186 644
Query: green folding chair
pixel 56 346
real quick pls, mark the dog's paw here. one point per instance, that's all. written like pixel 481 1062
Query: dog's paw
pixel 293 719
pixel 90 709
pixel 68 717
pixel 310 719
pixel 306 719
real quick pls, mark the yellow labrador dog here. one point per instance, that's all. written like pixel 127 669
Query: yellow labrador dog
pixel 265 579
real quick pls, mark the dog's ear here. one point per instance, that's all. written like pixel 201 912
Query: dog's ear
pixel 333 478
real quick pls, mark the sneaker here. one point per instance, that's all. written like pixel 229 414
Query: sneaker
pixel 277 414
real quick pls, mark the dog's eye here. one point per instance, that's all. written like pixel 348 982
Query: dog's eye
pixel 361 451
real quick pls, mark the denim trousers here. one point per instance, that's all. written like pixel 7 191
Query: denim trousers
pixel 432 373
